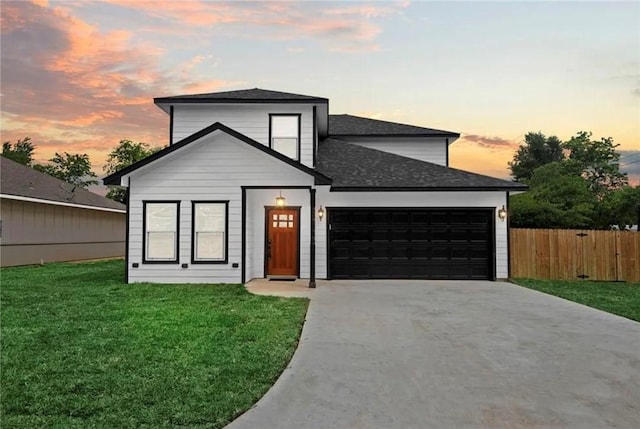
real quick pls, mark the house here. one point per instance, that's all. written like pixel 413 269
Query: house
pixel 258 183
pixel 44 219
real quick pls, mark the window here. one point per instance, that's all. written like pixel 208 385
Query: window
pixel 284 134
pixel 160 235
pixel 209 239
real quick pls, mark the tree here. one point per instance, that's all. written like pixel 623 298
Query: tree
pixel 596 161
pixel 20 152
pixel 555 200
pixel 126 153
pixel 621 207
pixel 72 168
pixel 536 151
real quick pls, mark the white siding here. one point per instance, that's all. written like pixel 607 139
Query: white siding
pixel 214 168
pixel 251 120
pixel 425 149
pixel 411 199
pixel 257 199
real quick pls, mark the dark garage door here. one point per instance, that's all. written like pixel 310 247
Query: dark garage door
pixel 410 244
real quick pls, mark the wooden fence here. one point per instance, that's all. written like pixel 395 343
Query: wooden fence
pixel 567 254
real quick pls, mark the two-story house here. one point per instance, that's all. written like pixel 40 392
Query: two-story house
pixel 258 183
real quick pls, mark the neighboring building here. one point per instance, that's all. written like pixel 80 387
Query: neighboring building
pixel 259 183
pixel 44 219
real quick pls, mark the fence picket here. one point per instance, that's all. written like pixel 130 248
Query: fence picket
pixel 567 254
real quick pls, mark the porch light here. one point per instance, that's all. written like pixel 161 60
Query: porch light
pixel 320 212
pixel 502 213
pixel 280 201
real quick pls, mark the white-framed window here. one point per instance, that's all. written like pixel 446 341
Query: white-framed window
pixel 160 229
pixel 209 236
pixel 284 134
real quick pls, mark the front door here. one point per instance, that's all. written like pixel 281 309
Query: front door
pixel 281 250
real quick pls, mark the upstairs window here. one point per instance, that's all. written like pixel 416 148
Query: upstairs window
pixel 161 231
pixel 284 134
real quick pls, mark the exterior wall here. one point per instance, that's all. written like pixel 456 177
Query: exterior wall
pixel 33 233
pixel 257 200
pixel 425 149
pixel 411 199
pixel 214 168
pixel 251 120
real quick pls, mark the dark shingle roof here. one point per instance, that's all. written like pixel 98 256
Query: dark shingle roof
pixel 348 125
pixel 355 167
pixel 23 181
pixel 255 95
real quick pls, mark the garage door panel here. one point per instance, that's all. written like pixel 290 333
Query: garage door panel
pixel 410 243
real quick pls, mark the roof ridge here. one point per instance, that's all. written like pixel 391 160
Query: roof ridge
pixel 244 94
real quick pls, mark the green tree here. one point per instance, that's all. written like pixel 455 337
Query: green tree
pixel 555 200
pixel 20 152
pixel 72 168
pixel 621 207
pixel 126 153
pixel 536 151
pixel 595 160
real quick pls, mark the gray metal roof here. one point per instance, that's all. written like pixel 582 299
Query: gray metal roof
pixel 20 180
pixel 349 125
pixel 254 95
pixel 354 167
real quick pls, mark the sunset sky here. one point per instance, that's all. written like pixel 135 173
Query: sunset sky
pixel 79 76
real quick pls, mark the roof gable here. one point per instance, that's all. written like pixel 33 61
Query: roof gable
pixel 254 95
pixel 22 181
pixel 114 179
pixel 353 167
pixel 349 125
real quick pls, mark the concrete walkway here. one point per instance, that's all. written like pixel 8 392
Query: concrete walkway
pixel 416 354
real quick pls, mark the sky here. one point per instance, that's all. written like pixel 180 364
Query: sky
pixel 80 76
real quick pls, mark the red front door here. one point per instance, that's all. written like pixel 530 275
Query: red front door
pixel 282 242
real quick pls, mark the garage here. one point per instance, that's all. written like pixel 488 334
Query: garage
pixel 417 243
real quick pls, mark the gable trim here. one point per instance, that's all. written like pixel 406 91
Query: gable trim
pixel 114 179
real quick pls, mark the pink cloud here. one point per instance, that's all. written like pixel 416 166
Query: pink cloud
pixel 72 86
pixel 490 142
pixel 338 28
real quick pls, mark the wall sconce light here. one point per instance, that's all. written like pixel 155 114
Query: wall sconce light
pixel 280 201
pixel 502 213
pixel 321 213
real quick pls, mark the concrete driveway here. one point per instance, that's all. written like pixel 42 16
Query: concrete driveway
pixel 418 354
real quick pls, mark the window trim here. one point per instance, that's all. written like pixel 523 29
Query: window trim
pixel 299 148
pixel 226 232
pixel 144 233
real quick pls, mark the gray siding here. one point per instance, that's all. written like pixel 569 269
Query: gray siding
pixel 213 168
pixel 33 233
pixel 251 120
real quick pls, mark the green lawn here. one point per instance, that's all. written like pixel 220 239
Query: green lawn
pixel 622 299
pixel 81 349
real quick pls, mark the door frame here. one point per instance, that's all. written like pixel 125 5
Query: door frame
pixel 492 230
pixel 266 237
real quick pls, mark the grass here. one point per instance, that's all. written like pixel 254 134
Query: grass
pixel 622 299
pixel 81 349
